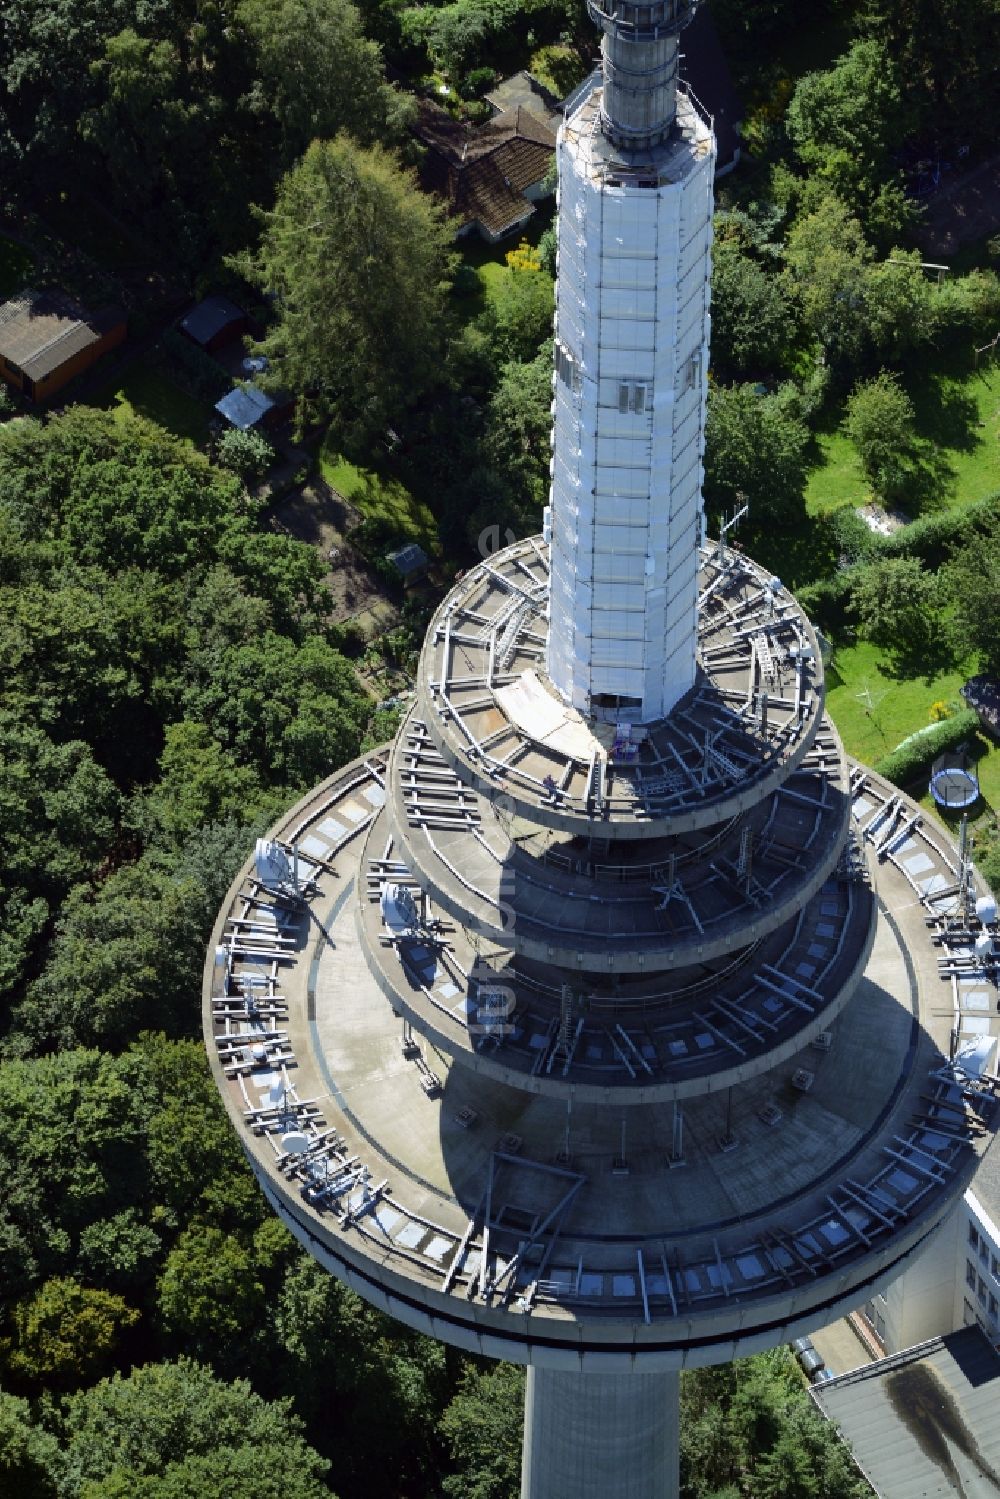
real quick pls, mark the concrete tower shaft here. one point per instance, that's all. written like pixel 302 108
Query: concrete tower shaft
pixel 630 385
pixel 639 55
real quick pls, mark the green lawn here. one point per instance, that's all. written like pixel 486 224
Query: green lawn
pixel 875 711
pixel 377 496
pixel 15 267
pixel 836 479
pixel 898 707
pixel 144 391
pixel 958 411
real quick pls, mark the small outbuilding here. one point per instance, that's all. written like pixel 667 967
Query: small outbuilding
pixel 247 406
pixel 46 337
pixel 410 561
pixel 922 1424
pixel 982 693
pixel 214 323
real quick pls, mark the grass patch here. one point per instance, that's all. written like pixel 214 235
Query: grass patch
pixel 15 267
pixel 957 410
pixel 491 274
pixel 559 68
pixel 836 479
pixel 899 707
pixel 380 498
pixel 145 391
pixel 484 266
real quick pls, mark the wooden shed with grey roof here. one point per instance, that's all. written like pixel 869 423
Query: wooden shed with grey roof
pixel 46 338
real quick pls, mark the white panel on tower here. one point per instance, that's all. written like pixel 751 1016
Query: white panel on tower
pixel 635 233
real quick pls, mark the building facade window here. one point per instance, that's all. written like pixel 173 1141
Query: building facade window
pixel 973 1236
pixel 632 397
pixel 970 1275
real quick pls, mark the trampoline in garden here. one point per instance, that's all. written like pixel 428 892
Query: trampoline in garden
pixel 954 781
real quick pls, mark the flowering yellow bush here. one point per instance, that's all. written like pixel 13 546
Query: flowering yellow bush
pixel 524 258
pixel 940 711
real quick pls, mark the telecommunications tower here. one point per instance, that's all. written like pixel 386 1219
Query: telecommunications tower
pixel 596 1023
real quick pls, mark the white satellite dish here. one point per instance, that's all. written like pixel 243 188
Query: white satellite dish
pixel 273 866
pixel 986 909
pixel 984 944
pixel 975 1058
pixel 295 1142
pixel 399 909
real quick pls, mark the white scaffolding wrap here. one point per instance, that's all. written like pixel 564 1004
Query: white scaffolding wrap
pixel 630 384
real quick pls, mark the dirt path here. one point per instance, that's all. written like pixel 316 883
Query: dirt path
pixel 318 515
pixel 967 209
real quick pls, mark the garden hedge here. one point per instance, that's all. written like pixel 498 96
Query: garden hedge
pixel 915 756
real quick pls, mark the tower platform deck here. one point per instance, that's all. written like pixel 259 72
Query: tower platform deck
pixel 503 1220
pixel 645 903
pixel 751 717
pixel 629 1039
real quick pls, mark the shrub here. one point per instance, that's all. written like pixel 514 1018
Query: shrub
pixel 247 454
pixel 476 82
pixel 934 538
pixel 196 371
pixel 915 756
pixel 829 602
pixel 855 541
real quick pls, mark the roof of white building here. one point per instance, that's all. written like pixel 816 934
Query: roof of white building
pixel 922 1424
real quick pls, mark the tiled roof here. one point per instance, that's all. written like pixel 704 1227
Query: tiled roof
pixel 483 173
pixel 523 88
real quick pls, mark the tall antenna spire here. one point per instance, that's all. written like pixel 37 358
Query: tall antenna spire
pixel 640 55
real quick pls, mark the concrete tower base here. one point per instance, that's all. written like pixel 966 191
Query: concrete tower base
pixel 588 1436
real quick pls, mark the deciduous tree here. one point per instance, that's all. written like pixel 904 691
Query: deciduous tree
pixel 65 1335
pixel 846 123
pixel 175 1431
pixel 482 1426
pixel 754 448
pixel 826 255
pixel 752 318
pixel 896 603
pixel 319 75
pixel 881 423
pixel 971 581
